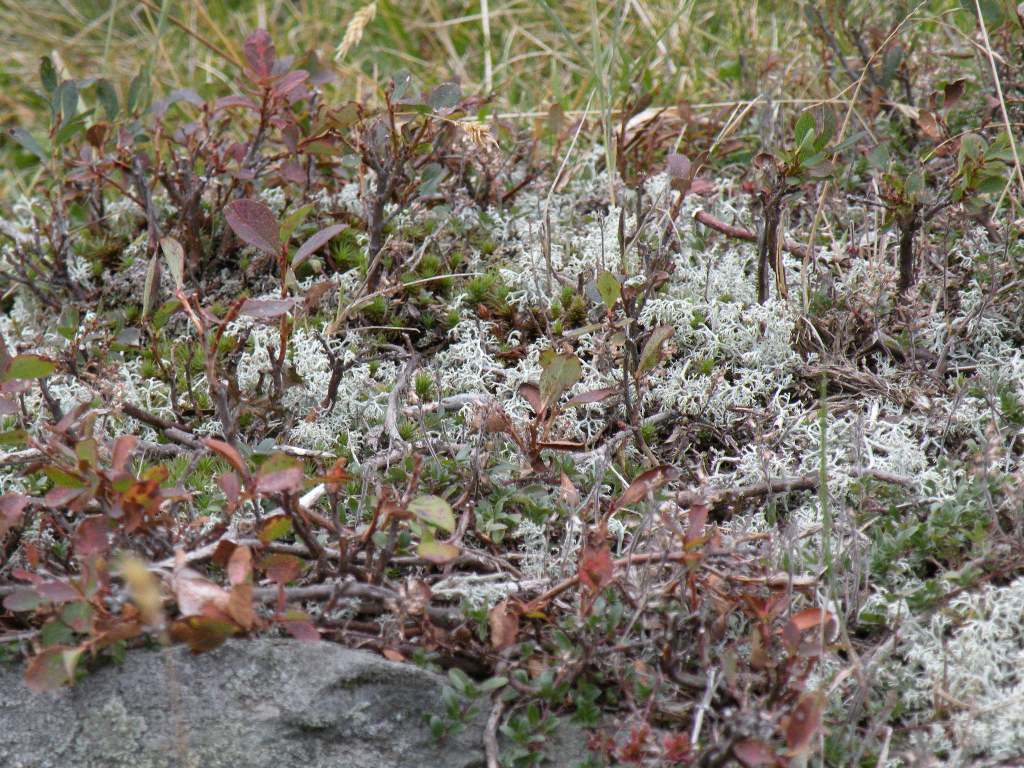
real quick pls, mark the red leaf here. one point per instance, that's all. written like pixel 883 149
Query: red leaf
pixel 288 84
pixel 224 102
pixel 259 53
pixel 314 243
pixel 255 224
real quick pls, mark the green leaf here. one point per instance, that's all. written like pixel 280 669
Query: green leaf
pixel 48 75
pixel 138 91
pixel 445 96
pixel 433 510
pixel 804 130
pixel 77 615
pixel 27 141
pixel 150 285
pixel 274 528
pixel 560 373
pixel 22 600
pixel 437 552
pixel 175 255
pixel 609 288
pixel 651 354
pixel 14 437
pixel 107 95
pixel 63 479
pixel 67 97
pixel 28 366
pixel 52 668
pixel 163 314
pixel 292 221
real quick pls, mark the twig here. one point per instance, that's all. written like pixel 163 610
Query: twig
pixel 491 733
pixel 731 230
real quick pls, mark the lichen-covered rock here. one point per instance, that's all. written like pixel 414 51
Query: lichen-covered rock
pixel 273 703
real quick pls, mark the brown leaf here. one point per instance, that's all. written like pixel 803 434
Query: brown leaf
pixel 122 451
pixel 503 620
pixel 929 125
pixel 288 480
pixel 298 625
pixel 392 655
pixel 569 494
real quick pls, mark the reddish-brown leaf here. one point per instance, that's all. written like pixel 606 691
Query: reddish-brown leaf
pixel 255 224
pixel 268 309
pixel 92 536
pixel 392 655
pixel 228 453
pixel 286 480
pixel 122 451
pixel 591 396
pixel 698 518
pixel 259 53
pixel 58 592
pixel 239 606
pixel 240 566
pixel 803 722
pixel 202 633
pixel 753 753
pixel 228 483
pixel 314 243
pixel 274 527
pixel 645 483
pixel 530 392
pixel 281 568
pixel 12 507
pixel 52 668
pixel 503 620
pixel 299 626
pixel 596 567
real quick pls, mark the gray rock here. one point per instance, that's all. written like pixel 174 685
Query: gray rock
pixel 249 704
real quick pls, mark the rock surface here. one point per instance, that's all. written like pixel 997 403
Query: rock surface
pixel 256 703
